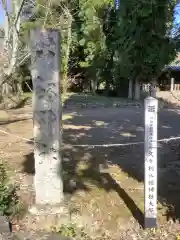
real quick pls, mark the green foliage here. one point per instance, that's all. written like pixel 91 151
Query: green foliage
pixel 10 204
pixel 66 230
pixel 102 45
pixel 133 42
pixel 145 46
pixel 71 230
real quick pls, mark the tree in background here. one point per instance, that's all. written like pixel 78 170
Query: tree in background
pixel 133 42
pixel 10 53
pixel 144 39
pixel 20 17
pixel 91 39
pixel 100 46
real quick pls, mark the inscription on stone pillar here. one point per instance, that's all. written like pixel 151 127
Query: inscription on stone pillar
pixel 46 115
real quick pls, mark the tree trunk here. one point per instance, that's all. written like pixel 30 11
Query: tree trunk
pixel 172 85
pixel 98 85
pixel 153 88
pixel 137 90
pixel 6 90
pixel 93 86
pixel 107 88
pixel 66 54
pixel 19 88
pixel 10 49
pixel 130 92
pixel 46 116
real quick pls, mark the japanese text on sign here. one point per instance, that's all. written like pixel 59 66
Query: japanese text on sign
pixel 150 158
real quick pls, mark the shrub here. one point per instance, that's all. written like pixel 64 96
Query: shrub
pixel 10 203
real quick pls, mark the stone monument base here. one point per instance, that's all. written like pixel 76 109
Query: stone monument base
pixel 44 217
pixel 41 209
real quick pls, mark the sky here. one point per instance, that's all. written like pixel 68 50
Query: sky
pixel 177 14
pixel 1 13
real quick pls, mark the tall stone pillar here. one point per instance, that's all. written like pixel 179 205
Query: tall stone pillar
pixel 46 115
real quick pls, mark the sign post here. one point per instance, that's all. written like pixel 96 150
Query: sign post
pixel 150 176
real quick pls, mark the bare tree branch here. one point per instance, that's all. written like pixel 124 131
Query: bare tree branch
pixel 28 86
pixel 19 12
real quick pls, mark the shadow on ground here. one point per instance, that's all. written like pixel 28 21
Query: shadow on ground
pixel 13 121
pixel 118 126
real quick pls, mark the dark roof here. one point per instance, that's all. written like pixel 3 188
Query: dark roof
pixel 175 65
pixel 173 68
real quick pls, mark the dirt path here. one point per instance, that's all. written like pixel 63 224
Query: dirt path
pixel 105 184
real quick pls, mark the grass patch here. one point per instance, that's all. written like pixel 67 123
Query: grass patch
pixel 71 230
pixel 77 233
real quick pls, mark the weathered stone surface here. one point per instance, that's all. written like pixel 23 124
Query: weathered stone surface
pixel 47 113
pixel 4 225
